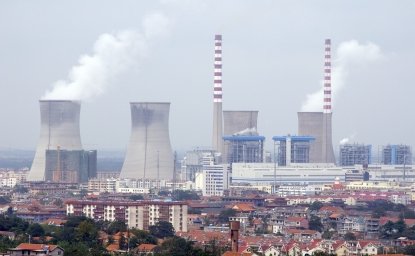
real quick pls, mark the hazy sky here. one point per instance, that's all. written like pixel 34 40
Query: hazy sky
pixel 272 59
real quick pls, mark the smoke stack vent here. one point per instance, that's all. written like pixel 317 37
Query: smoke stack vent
pixel 327 77
pixel 217 143
pixel 234 226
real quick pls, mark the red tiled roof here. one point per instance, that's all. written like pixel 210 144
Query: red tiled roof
pixel 35 247
pixel 146 247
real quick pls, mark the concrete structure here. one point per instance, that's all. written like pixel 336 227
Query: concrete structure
pixel 352 154
pixel 244 149
pixel 213 180
pixel 217 143
pixel 194 161
pixel 397 155
pixel 317 125
pixel 149 154
pixel 240 122
pixel 293 149
pixel 74 166
pixel 59 128
pixel 135 214
pixel 263 173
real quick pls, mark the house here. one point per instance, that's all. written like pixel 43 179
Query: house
pixel 36 249
pixel 146 249
pixel 296 223
pixel 10 235
pixel 271 251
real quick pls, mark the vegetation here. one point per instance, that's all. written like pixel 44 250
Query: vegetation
pixel 225 214
pixel 162 229
pixel 181 195
pixel 314 223
pixel 136 197
pixel 349 237
pixel 315 206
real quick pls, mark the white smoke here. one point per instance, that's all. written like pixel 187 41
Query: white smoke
pixel 112 55
pixel 347 139
pixel 349 55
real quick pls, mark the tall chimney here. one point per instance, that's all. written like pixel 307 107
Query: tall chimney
pixel 217 142
pixel 234 225
pixel 327 77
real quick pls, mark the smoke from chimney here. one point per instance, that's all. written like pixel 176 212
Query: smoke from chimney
pixel 112 55
pixel 349 55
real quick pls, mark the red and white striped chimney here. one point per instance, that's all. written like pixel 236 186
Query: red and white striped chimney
pixel 217 88
pixel 327 77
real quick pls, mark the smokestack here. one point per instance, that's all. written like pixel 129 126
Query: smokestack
pixel 59 127
pixel 234 226
pixel 149 154
pixel 217 143
pixel 319 124
pixel 327 77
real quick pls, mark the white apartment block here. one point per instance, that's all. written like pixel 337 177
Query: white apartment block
pixel 136 214
pixel 213 180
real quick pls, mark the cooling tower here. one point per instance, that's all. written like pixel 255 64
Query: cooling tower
pixel 318 125
pixel 59 127
pixel 149 154
pixel 239 121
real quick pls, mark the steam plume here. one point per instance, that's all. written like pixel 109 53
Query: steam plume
pixel 350 54
pixel 112 55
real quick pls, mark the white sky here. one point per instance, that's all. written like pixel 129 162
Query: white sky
pixel 272 58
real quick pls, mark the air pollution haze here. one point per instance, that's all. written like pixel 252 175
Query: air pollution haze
pixel 349 55
pixel 112 55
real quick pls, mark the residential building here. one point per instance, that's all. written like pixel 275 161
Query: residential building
pixel 213 180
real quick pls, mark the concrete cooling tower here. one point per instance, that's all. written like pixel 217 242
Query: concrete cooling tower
pixel 317 125
pixel 149 154
pixel 239 122
pixel 59 129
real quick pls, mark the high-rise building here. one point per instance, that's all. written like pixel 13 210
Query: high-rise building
pixel 149 154
pixel 397 155
pixel 352 154
pixel 213 180
pixel 292 149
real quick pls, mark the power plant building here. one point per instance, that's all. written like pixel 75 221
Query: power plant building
pixel 59 128
pixel 293 149
pixel 244 148
pixel 352 154
pixel 397 155
pixel 71 166
pixel 149 153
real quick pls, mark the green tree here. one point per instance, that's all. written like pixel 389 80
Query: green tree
pixel 315 206
pixel 225 214
pixel 143 237
pixel 180 195
pixel 349 236
pixel 122 243
pixel 74 249
pixel 178 246
pixel 116 226
pixel 409 250
pixel 162 229
pixel 36 230
pixel 314 223
pixel 136 197
pixel 87 232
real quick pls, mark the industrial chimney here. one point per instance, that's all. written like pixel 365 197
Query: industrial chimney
pixel 59 129
pixel 234 227
pixel 217 143
pixel 319 124
pixel 149 154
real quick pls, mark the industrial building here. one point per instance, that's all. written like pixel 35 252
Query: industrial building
pixel 319 124
pixel 240 122
pixel 59 128
pixel 352 154
pixel 397 155
pixel 149 153
pixel 292 149
pixel 244 148
pixel 135 214
pixel 194 161
pixel 71 166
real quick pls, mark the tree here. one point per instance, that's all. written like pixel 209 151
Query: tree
pixel 122 243
pixel 349 236
pixel 314 223
pixel 178 246
pixel 409 250
pixel 116 226
pixel 143 237
pixel 136 197
pixel 225 214
pixel 87 232
pixel 180 195
pixel 4 200
pixel 315 206
pixel 162 229
pixel 36 230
